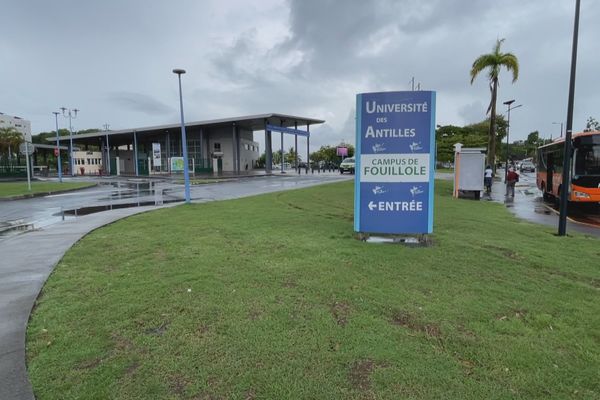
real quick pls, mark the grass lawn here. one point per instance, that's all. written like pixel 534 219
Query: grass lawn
pixel 11 189
pixel 271 297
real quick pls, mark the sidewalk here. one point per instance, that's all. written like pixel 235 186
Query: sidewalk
pixel 23 272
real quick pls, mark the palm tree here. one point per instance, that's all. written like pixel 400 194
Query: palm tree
pixel 493 62
pixel 10 139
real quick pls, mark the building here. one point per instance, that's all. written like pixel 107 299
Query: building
pixel 214 146
pixel 87 162
pixel 20 124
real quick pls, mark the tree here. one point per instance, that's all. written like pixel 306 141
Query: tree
pixel 533 142
pixel 329 153
pixel 493 62
pixel 290 156
pixel 474 135
pixel 10 139
pixel 592 124
pixel 42 136
pixel 262 160
pixel 277 157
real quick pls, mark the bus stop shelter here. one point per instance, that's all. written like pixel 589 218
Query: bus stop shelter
pixel 227 142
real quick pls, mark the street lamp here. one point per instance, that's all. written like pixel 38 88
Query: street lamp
pixel 71 114
pixel 58 146
pixel 564 193
pixel 508 104
pixel 561 127
pixel 186 173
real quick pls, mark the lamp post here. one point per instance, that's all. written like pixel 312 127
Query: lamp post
pixel 561 127
pixel 566 180
pixel 186 173
pixel 71 114
pixel 58 146
pixel 508 104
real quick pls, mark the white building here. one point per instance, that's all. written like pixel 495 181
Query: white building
pixel 87 162
pixel 20 124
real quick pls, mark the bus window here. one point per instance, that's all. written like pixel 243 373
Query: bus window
pixel 587 160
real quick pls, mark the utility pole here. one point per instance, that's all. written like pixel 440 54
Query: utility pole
pixel 71 114
pixel 566 179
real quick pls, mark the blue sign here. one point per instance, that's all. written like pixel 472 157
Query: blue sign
pixel 395 162
pixel 291 131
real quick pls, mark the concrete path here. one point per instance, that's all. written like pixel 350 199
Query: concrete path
pixel 26 261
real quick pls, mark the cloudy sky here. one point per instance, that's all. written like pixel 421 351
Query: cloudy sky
pixel 112 59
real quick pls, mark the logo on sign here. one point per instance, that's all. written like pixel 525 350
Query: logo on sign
pixel 379 190
pixel 415 190
pixel 378 148
pixel 415 146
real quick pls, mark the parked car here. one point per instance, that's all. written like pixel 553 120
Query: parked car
pixel 527 166
pixel 347 165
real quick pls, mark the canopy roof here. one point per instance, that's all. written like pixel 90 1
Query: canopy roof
pixel 250 122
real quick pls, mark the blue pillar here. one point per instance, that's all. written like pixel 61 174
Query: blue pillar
pixel 308 144
pixel 234 149
pixel 58 147
pixel 296 148
pixel 135 153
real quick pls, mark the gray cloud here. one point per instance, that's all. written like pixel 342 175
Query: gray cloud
pixel 308 57
pixel 139 102
pixel 471 113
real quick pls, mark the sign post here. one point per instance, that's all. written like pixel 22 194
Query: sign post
pixel 156 156
pixel 27 149
pixel 395 162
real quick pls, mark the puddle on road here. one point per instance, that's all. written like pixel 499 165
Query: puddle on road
pixel 541 209
pixel 132 190
pixel 14 227
pixel 81 211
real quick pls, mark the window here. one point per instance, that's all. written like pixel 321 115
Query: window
pixel 217 146
pixel 587 160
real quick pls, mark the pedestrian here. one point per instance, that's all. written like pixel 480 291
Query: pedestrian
pixel 511 179
pixel 488 174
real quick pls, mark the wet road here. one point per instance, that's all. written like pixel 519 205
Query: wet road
pixel 111 193
pixel 529 205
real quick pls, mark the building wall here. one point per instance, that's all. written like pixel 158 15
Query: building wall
pixel 20 124
pixel 126 163
pixel 224 138
pixel 90 161
pixel 249 151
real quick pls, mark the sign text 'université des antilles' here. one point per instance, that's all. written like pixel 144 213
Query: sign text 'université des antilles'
pixel 395 156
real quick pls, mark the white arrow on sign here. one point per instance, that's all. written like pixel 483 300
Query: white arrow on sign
pixel 372 205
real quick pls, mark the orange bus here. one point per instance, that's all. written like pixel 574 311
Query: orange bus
pixel 585 168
